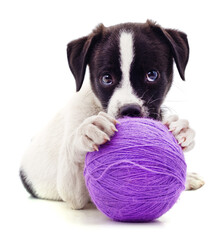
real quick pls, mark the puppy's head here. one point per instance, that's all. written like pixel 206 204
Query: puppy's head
pixel 131 66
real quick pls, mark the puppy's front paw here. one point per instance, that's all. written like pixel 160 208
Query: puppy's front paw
pixel 182 131
pixel 94 131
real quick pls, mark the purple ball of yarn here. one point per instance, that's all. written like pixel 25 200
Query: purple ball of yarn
pixel 139 175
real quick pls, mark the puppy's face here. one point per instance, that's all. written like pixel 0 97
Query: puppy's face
pixel 131 66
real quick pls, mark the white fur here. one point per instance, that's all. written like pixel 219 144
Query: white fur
pixel 126 54
pixel 124 94
pixel 53 164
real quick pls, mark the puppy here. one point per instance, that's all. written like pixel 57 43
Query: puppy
pixel 131 72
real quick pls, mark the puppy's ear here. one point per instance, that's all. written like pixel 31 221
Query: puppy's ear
pixel 78 53
pixel 178 43
pixel 180 48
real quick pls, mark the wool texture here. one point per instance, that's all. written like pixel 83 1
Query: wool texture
pixel 139 175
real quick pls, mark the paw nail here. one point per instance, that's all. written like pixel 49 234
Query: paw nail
pixel 106 139
pixel 117 122
pixel 182 140
pixel 171 129
pixel 114 129
pixel 95 147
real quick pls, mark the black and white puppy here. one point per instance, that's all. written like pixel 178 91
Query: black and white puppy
pixel 131 71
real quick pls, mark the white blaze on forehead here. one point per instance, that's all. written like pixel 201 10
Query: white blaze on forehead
pixel 124 93
pixel 126 55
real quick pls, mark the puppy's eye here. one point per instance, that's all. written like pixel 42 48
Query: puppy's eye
pixel 152 76
pixel 107 80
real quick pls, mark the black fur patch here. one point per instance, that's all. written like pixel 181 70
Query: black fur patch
pixel 27 184
pixel 105 58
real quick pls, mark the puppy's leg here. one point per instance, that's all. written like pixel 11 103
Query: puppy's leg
pixel 91 133
pixel 185 137
pixel 193 181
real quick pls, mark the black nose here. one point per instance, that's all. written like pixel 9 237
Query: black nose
pixel 130 110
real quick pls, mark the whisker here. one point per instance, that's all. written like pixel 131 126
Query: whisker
pixel 154 100
pixel 144 93
pixel 149 100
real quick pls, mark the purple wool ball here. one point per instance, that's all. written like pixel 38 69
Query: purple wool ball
pixel 139 175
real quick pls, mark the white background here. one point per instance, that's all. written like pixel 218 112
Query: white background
pixel 36 83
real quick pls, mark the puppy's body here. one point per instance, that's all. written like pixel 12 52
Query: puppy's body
pixel 131 68
pixel 40 164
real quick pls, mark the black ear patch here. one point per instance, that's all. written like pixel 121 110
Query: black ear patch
pixel 180 49
pixel 78 53
pixel 178 44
